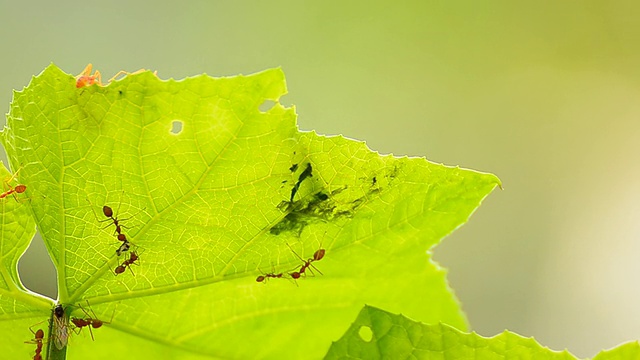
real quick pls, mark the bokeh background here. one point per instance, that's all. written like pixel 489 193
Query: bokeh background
pixel 544 94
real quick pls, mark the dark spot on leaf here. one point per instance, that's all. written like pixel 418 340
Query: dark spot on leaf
pixel 319 207
pixel 293 168
pixel 356 203
pixel 292 222
pixel 120 92
pixel 305 174
pixel 374 181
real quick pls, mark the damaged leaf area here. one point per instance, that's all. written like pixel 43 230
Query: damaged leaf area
pixel 251 238
pixel 320 207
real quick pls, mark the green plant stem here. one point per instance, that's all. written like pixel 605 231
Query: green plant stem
pixel 53 353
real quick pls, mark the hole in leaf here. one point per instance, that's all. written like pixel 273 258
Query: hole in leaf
pixel 365 333
pixel 36 269
pixel 266 105
pixel 176 127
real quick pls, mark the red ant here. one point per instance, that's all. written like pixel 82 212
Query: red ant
pixel 133 257
pixel 307 264
pixel 89 321
pixel 38 338
pixel 86 79
pixel 265 277
pixel 108 212
pixel 18 189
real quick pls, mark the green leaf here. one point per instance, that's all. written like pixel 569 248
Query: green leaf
pixel 19 309
pixel 630 350
pixel 377 334
pixel 219 202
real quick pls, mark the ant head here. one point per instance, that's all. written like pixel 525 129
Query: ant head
pixel 39 334
pixel 318 255
pixel 20 188
pixel 108 212
pixel 260 278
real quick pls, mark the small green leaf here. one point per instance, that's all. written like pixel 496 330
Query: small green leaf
pixel 213 192
pixel 630 350
pixel 397 337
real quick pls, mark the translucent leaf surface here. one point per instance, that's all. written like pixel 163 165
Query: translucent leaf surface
pixel 213 192
pixel 630 350
pixel 377 334
pixel 18 308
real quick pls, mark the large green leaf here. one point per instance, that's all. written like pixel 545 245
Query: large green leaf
pixel 214 204
pixel 377 334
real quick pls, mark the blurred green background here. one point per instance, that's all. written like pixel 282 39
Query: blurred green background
pixel 544 94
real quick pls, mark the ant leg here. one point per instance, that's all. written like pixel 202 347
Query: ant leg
pixel 121 72
pixel 86 71
pixel 313 266
pixel 307 264
pixel 98 77
pixel 13 176
pixel 126 73
pixel 94 212
pixel 295 253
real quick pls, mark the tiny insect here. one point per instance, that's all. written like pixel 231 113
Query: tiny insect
pixel 263 278
pixel 38 337
pixel 113 220
pixel 91 320
pixel 60 327
pixel 124 247
pixel 109 214
pixel 18 189
pixel 86 79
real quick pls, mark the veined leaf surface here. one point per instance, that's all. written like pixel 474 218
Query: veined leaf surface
pixel 213 192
